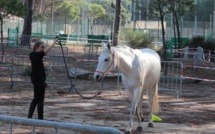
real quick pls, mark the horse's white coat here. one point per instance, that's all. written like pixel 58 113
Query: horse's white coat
pixel 140 70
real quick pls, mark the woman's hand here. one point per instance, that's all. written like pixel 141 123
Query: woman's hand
pixel 55 41
pixel 50 47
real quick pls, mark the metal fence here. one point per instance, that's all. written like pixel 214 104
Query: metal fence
pixel 71 127
pixel 189 53
pixel 54 68
pixel 170 79
pixel 171 76
pixel 193 69
pixel 56 73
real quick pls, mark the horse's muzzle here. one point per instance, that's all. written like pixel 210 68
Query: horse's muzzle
pixel 97 77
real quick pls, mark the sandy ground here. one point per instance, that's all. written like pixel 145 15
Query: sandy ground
pixel 193 112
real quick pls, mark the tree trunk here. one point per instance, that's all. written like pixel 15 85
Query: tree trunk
pixel 164 45
pixel 1 21
pixel 26 34
pixel 52 18
pixel 178 30
pixel 117 22
pixel 163 38
pixel 163 30
pixel 174 30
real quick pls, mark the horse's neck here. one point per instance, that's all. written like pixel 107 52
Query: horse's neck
pixel 123 59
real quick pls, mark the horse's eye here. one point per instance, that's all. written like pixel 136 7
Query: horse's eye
pixel 106 59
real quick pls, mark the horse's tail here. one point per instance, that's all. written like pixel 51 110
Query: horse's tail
pixel 155 105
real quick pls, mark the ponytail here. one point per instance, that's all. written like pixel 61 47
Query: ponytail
pixel 37 44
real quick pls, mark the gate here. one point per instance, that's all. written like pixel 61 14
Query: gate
pixel 171 76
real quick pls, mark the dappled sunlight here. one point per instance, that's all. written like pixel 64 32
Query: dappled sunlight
pixel 77 104
pixel 195 106
pixel 5 79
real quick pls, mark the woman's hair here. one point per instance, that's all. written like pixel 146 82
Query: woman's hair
pixel 37 44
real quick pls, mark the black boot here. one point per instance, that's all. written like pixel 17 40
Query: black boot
pixel 31 109
pixel 40 110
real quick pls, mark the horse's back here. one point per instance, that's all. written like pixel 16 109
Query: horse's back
pixel 151 52
pixel 151 64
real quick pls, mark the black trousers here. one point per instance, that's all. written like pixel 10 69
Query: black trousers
pixel 38 100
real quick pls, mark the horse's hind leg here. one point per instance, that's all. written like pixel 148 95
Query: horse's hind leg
pixel 140 107
pixel 139 113
pixel 139 118
pixel 151 93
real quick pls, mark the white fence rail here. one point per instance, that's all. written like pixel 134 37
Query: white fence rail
pixel 78 128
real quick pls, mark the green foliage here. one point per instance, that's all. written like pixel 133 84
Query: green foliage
pixel 109 11
pixel 197 41
pixel 184 6
pixel 209 43
pixel 109 6
pixel 68 9
pixel 95 11
pixel 158 7
pixel 11 7
pixel 137 39
pixel 204 8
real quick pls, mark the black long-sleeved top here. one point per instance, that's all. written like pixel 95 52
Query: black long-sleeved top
pixel 38 70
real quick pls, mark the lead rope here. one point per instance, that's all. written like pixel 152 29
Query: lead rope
pixel 71 82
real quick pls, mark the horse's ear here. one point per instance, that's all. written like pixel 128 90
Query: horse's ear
pixel 103 45
pixel 108 46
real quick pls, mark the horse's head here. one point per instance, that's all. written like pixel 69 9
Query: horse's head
pixel 105 63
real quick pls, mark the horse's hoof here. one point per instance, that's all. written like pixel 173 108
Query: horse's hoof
pixel 142 118
pixel 150 125
pixel 139 129
pixel 128 132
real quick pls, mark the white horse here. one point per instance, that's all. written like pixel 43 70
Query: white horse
pixel 140 70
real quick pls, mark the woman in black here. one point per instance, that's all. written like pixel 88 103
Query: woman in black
pixel 38 77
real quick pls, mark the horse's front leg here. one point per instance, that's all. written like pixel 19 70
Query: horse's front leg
pixel 136 98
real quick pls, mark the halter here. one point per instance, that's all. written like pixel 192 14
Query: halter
pixel 112 63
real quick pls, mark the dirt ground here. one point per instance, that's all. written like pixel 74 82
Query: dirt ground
pixel 193 112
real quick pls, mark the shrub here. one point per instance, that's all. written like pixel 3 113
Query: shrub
pixel 137 39
pixel 200 41
pixel 210 45
pixel 197 41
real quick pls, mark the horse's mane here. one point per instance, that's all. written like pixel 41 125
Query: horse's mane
pixel 123 47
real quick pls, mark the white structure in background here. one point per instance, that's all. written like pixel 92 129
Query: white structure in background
pixel 146 25
pixel 198 57
pixel 186 50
